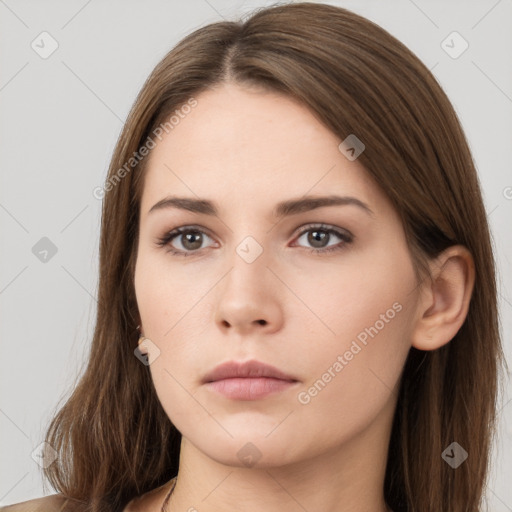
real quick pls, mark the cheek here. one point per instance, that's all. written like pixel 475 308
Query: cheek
pixel 355 378
pixel 366 310
pixel 169 305
pixel 347 296
pixel 166 294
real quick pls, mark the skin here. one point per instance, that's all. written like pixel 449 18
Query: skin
pixel 246 150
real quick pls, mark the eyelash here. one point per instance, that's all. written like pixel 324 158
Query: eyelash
pixel 170 236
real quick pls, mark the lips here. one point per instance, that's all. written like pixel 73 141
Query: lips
pixel 250 380
pixel 248 369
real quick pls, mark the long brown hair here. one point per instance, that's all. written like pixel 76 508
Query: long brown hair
pixel 114 439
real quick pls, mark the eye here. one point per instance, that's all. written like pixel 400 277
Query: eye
pixel 190 239
pixel 319 235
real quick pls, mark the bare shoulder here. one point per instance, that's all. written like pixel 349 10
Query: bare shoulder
pixel 53 503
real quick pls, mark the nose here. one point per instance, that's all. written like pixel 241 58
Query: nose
pixel 248 299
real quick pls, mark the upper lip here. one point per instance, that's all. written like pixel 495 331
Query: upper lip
pixel 233 369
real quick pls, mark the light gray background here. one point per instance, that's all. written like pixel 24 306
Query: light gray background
pixel 59 122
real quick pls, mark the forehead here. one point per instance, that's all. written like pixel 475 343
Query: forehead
pixel 247 145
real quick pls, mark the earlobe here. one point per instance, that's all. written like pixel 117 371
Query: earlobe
pixel 445 299
pixel 142 346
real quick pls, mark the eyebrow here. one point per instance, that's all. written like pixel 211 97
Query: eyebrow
pixel 283 209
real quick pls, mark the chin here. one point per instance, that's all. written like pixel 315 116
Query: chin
pixel 248 449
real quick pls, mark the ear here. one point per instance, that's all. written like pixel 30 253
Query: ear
pixel 143 349
pixel 142 346
pixel 444 301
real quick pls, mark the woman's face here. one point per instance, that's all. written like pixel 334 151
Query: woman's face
pixel 327 295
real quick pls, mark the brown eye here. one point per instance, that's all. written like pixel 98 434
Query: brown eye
pixel 183 241
pixel 318 237
pixel 191 240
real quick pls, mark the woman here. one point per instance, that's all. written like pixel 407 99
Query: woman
pixel 297 301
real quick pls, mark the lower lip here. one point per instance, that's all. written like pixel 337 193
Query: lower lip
pixel 249 388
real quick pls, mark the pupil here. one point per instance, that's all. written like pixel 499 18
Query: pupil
pixel 194 238
pixel 317 236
